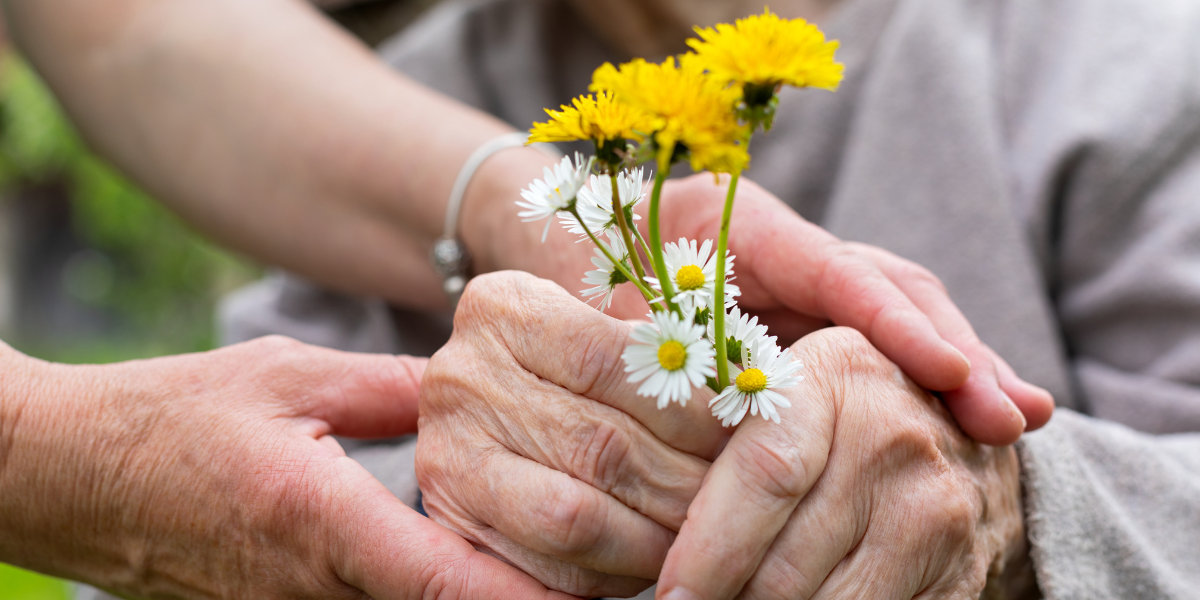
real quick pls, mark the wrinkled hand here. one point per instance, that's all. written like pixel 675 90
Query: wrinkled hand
pixel 214 476
pixel 867 490
pixel 534 445
pixel 797 277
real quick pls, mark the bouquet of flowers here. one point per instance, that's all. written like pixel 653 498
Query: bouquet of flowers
pixel 702 107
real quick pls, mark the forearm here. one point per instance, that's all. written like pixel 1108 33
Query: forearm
pixel 269 129
pixel 43 523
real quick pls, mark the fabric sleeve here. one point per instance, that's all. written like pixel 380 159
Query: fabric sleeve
pixel 1112 513
pixel 1130 303
pixel 1118 169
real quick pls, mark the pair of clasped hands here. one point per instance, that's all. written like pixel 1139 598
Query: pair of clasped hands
pixel 544 474
pixel 535 447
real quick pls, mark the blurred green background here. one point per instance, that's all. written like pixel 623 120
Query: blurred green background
pixel 91 269
pixel 16 584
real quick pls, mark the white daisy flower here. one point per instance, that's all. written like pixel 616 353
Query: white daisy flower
pixel 767 369
pixel 740 331
pixel 595 202
pixel 694 272
pixel 671 355
pixel 555 192
pixel 606 278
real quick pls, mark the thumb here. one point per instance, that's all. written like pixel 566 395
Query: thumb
pixel 387 550
pixel 360 395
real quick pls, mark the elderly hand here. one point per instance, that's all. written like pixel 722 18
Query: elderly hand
pixel 534 445
pixel 867 490
pixel 214 476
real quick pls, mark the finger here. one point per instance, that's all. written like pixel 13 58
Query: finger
pixel 754 486
pixel 826 526
pixel 825 278
pixel 819 534
pixel 810 271
pixel 560 575
pixel 569 526
pixel 1035 403
pixel 853 293
pixel 532 318
pixel 594 443
pixel 390 552
pixel 358 395
pixel 874 570
pixel 985 408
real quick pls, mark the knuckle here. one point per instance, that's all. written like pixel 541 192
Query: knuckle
pixel 948 503
pixel 445 576
pixel 570 519
pixel 488 298
pixel 843 354
pixel 446 386
pixel 432 459
pixel 778 579
pixel 602 452
pixel 275 346
pixel 843 268
pixel 951 510
pixel 909 441
pixel 919 275
pixel 600 365
pixel 774 467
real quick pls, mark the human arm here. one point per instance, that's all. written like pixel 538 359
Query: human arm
pixel 215 475
pixel 274 132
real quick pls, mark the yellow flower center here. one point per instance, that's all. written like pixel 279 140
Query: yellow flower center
pixel 672 355
pixel 749 382
pixel 689 278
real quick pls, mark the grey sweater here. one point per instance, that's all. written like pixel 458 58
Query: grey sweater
pixel 1041 156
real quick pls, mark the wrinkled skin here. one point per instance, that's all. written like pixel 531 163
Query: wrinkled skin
pixel 534 446
pixel 214 476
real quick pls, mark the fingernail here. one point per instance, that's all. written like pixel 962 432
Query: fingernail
pixel 1012 408
pixel 680 594
pixel 964 356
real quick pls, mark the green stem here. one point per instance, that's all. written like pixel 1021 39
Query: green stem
pixel 720 341
pixel 656 245
pixel 642 241
pixel 619 211
pixel 641 286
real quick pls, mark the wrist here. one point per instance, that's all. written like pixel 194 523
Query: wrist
pixel 27 444
pixel 56 465
pixel 493 233
pixel 19 384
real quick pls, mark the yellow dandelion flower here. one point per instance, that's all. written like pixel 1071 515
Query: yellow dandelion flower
pixel 688 108
pixel 599 118
pixel 766 51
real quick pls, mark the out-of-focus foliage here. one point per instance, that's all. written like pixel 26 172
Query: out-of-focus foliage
pixel 162 279
pixel 16 584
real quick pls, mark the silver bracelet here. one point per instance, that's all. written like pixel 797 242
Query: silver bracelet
pixel 449 255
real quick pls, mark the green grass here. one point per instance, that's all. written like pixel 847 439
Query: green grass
pixel 16 584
